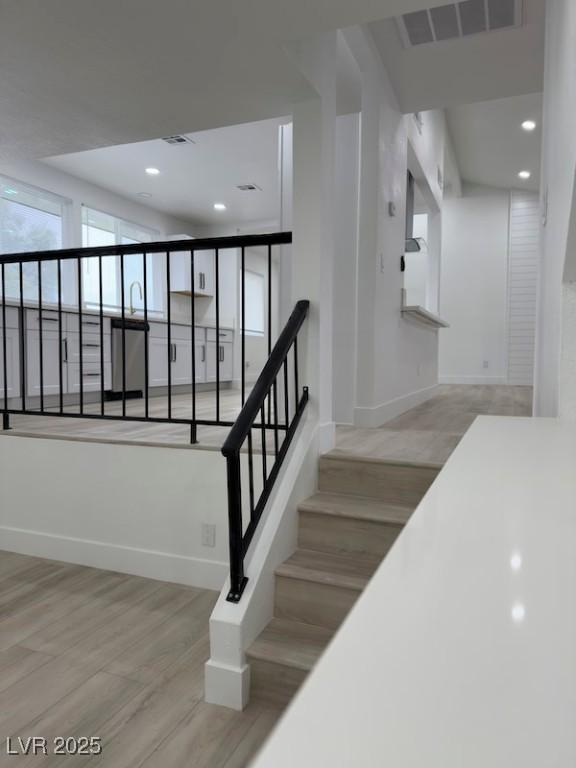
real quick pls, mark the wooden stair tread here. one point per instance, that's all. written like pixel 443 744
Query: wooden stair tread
pixel 340 455
pixel 290 643
pixel 356 507
pixel 349 571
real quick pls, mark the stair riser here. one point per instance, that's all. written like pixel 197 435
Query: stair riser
pixel 390 483
pixel 328 533
pixel 311 603
pixel 274 684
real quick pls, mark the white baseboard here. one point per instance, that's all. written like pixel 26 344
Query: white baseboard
pixel 227 686
pixel 164 566
pixel 472 380
pixel 380 414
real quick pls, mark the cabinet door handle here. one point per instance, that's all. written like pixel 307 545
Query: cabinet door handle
pixel 65 350
pixel 91 346
pixel 47 319
pixel 203 353
pixel 175 352
pixel 221 353
pixel 90 322
pixel 91 375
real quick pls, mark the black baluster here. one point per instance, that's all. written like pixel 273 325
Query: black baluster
pixel 217 335
pixel 169 318
pixel 80 333
pixel 5 415
pixel 251 472
pixel 286 400
pixel 263 430
pixel 60 340
pixel 22 339
pixel 146 337
pixel 101 302
pixel 243 323
pixel 296 397
pixel 275 395
pixel 193 429
pixel 123 316
pixel 269 315
pixel 41 332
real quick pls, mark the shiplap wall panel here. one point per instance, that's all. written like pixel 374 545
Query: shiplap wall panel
pixel 523 267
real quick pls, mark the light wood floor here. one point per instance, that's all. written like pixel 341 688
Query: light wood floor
pixel 429 432
pixel 85 652
pixel 175 435
pixel 432 430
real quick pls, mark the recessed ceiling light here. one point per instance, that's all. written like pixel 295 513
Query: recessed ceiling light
pixel 528 125
pixel 524 174
pixel 219 207
pixel 144 194
pixel 152 171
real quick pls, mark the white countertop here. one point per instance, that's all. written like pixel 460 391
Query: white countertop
pixel 461 653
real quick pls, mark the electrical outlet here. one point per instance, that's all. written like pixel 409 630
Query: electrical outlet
pixel 486 364
pixel 208 535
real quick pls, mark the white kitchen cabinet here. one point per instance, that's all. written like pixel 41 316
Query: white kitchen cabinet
pixel 51 363
pixel 90 348
pixel 219 352
pixel 157 361
pixel 91 377
pixel 204 273
pixel 12 362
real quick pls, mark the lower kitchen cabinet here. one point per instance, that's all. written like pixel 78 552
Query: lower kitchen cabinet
pixel 12 363
pixel 222 353
pixel 91 377
pixel 50 363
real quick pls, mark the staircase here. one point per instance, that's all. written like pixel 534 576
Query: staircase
pixel 345 530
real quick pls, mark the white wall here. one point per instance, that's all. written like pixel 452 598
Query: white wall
pixel 346 265
pixel 558 170
pixel 397 363
pixel 133 509
pixel 473 293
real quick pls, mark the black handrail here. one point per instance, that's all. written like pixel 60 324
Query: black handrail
pixel 266 385
pixel 199 244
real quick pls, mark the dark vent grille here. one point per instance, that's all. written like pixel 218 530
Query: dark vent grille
pixel 473 16
pixel 445 21
pixel 500 13
pixel 178 139
pixel 460 19
pixel 418 27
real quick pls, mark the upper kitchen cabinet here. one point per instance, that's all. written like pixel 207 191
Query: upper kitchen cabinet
pixel 204 273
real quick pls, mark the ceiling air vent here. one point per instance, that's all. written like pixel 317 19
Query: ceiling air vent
pixel 249 188
pixel 178 139
pixel 457 20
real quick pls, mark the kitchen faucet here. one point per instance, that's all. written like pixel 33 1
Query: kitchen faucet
pixel 132 284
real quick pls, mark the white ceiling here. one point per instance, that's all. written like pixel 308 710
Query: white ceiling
pixel 491 148
pixel 480 67
pixel 80 74
pixel 192 176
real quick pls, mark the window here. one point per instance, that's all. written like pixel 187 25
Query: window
pixel 100 229
pixel 31 220
pixel 254 303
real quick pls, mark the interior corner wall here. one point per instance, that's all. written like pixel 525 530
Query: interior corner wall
pixel 473 291
pixel 558 172
pixel 397 358
pixel 345 265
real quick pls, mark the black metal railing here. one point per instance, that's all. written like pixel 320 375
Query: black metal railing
pixel 47 291
pixel 245 510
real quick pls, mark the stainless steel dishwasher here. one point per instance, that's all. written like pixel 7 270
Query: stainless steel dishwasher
pixel 135 350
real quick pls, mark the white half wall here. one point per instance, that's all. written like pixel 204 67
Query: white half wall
pixel 473 289
pixel 558 173
pixel 133 509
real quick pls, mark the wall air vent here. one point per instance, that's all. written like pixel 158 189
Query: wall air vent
pixel 178 139
pixel 249 188
pixel 457 20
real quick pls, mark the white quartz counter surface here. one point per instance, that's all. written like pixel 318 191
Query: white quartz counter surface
pixel 461 653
